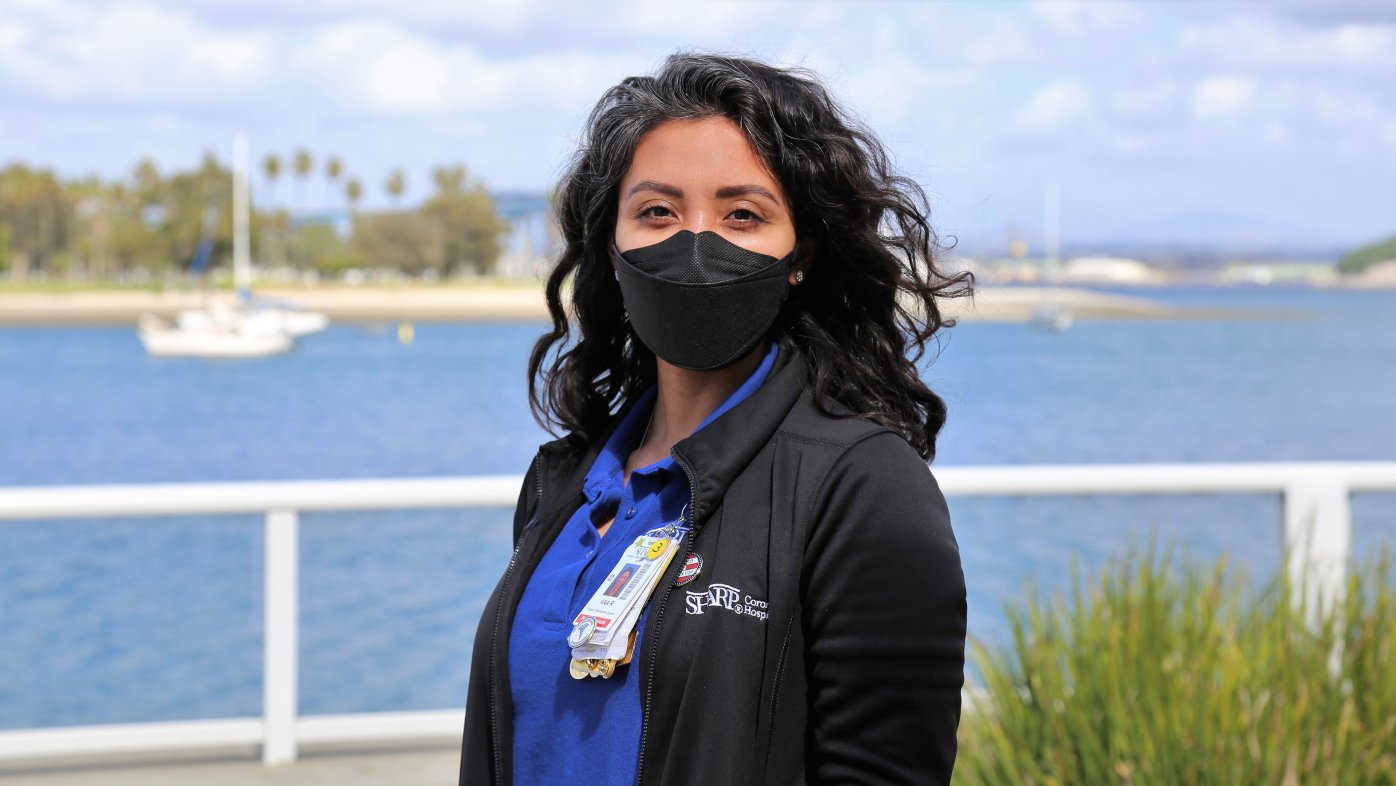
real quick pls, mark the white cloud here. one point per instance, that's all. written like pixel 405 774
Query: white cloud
pixel 381 68
pixel 1145 99
pixel 128 51
pixel 1363 45
pixel 898 86
pixel 690 20
pixel 1222 96
pixel 441 15
pixel 1003 43
pixel 1096 17
pixel 428 57
pixel 1346 109
pixel 1265 43
pixel 1056 104
pixel 1352 117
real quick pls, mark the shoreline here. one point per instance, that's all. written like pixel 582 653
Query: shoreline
pixel 525 303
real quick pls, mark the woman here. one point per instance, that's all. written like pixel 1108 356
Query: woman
pixel 735 567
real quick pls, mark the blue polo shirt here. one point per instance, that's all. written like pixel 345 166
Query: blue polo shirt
pixel 588 731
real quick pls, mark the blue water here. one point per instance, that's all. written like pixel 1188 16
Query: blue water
pixel 124 620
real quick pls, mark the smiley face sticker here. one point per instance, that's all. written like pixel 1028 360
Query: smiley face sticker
pixel 657 548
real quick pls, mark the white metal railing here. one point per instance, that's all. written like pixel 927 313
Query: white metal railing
pixel 279 730
pixel 1316 531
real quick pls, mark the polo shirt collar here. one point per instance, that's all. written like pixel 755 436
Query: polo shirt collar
pixel 610 462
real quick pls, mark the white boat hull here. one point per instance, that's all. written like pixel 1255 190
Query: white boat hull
pixel 303 323
pixel 163 340
pixel 1052 317
pixel 257 320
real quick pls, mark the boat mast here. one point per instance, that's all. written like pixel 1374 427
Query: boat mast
pixel 1053 240
pixel 242 266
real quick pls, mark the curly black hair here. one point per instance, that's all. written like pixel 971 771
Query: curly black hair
pixel 872 288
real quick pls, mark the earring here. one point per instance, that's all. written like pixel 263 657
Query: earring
pixel 799 276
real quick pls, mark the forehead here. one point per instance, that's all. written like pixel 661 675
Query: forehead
pixel 710 151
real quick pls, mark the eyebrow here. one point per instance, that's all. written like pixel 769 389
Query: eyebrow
pixel 726 192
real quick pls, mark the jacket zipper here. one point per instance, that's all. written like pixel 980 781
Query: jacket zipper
pixel 652 627
pixel 775 690
pixel 499 617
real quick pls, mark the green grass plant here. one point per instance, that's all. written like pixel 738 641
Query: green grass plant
pixel 1164 670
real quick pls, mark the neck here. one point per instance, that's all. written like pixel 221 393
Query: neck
pixel 686 397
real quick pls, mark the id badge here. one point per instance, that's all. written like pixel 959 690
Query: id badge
pixel 602 634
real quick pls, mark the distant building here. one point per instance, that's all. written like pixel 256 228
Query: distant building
pixel 532 243
pixel 1108 270
pixel 1276 272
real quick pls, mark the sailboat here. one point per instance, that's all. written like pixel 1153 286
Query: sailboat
pixel 1051 314
pixel 231 339
pixel 263 315
pixel 247 328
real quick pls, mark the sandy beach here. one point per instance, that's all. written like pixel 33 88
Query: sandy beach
pixel 494 303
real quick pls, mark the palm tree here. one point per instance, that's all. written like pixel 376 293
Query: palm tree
pixel 353 192
pixel 397 183
pixel 147 176
pixel 449 179
pixel 303 163
pixel 334 169
pixel 271 169
pixel 146 187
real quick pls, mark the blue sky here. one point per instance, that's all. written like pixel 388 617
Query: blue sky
pixel 1190 123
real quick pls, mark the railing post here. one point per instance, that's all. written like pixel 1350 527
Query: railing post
pixel 280 655
pixel 1318 539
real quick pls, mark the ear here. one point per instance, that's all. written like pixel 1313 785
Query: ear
pixel 804 258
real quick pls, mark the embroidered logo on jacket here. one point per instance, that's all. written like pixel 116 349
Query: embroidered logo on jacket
pixel 728 597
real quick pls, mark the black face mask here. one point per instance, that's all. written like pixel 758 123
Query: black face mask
pixel 699 301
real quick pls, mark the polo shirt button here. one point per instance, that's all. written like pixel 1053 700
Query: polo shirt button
pixel 630 514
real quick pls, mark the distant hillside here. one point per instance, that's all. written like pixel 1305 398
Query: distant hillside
pixel 1359 260
pixel 1193 238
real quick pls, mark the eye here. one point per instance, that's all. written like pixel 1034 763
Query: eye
pixel 655 211
pixel 745 216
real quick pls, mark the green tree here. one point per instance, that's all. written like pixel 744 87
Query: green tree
pixel 1363 258
pixel 334 170
pixel 302 164
pixel 271 170
pixel 397 240
pixel 320 247
pixel 147 177
pixel 353 192
pixel 133 241
pixel 396 185
pixel 274 227
pixel 37 216
pixel 467 223
pixel 93 211
pixel 268 230
pixel 198 203
pixel 152 223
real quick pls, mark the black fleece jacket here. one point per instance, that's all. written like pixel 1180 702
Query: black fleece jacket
pixel 823 641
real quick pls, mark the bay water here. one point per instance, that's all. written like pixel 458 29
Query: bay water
pixel 125 620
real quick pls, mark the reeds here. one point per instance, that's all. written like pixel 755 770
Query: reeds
pixel 1168 671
